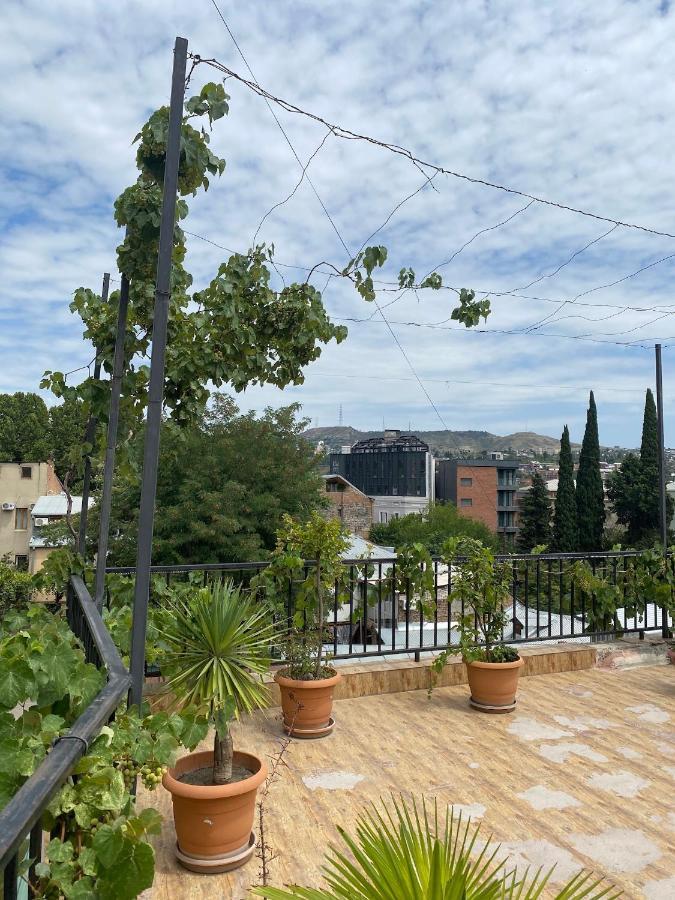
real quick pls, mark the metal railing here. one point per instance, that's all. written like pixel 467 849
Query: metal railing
pixel 376 613
pixel 21 817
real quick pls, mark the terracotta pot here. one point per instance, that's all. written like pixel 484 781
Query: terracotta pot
pixel 494 685
pixel 214 822
pixel 307 705
pixel 671 655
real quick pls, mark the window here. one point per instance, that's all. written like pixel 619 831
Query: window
pixel 466 482
pixel 21 519
pixel 466 501
pixel 26 472
pixel 384 517
pixel 332 487
pixel 21 562
pixel 505 520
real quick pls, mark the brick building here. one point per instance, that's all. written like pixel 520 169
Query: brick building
pixel 482 489
pixel 349 504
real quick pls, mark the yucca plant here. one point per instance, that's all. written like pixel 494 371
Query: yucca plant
pixel 217 650
pixel 404 853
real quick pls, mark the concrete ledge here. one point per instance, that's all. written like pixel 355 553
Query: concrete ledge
pixel 627 653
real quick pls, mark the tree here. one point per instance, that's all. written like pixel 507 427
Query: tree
pixel 590 494
pixel 222 488
pixel 432 528
pixel 24 428
pixel 565 529
pixel 634 486
pixel 67 425
pixel 535 517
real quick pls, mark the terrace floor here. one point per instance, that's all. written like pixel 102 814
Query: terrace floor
pixel 582 774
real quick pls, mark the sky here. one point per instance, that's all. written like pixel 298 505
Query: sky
pixel 564 101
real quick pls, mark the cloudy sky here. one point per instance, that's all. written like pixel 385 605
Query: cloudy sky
pixel 566 101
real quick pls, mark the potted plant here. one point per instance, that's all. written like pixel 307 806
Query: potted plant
pixel 409 853
pixel 482 586
pixel 307 566
pixel 216 652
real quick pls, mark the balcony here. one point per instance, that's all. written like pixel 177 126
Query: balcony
pixel 580 775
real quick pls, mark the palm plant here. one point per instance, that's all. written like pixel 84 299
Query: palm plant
pixel 406 854
pixel 217 649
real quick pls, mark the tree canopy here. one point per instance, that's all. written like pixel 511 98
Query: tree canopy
pixel 565 530
pixel 535 517
pixel 590 494
pixel 432 528
pixel 222 487
pixel 24 428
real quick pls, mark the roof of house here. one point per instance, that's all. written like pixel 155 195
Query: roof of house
pixel 360 548
pixel 333 476
pixel 56 505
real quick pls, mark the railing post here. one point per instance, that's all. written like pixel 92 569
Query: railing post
pixel 90 437
pixel 113 419
pixel 156 388
pixel 663 505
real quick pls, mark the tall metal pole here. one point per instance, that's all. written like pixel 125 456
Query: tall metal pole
pixel 89 438
pixel 662 474
pixel 109 467
pixel 156 389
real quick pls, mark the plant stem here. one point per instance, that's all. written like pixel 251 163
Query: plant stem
pixel 222 758
pixel 319 600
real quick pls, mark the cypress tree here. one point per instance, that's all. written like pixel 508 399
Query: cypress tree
pixel 535 517
pixel 590 492
pixel 648 518
pixel 565 530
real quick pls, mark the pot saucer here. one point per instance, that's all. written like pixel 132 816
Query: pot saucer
pixel 487 708
pixel 308 733
pixel 214 865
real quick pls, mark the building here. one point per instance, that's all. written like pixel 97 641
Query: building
pixel 349 504
pixel 20 486
pixel 48 510
pixel 396 471
pixel 482 489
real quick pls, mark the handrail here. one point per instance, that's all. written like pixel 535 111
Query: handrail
pixel 28 804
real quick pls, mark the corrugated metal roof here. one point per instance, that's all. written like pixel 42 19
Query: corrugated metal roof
pixel 360 548
pixel 55 505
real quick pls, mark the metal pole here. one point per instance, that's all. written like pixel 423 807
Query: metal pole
pixel 662 474
pixel 156 388
pixel 89 438
pixel 109 467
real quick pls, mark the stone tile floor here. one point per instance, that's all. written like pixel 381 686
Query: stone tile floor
pixel 582 774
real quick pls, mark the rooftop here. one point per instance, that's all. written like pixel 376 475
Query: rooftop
pixel 580 775
pixel 55 505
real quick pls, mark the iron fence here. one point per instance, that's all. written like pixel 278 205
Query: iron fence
pixel 20 820
pixel 376 611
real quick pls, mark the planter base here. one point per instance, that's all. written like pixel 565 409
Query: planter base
pixel 310 732
pixel 485 707
pixel 214 865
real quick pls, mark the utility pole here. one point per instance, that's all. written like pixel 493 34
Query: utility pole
pixel 146 519
pixel 662 474
pixel 111 445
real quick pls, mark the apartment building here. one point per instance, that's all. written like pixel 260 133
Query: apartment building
pixel 482 489
pixel 396 471
pixel 21 484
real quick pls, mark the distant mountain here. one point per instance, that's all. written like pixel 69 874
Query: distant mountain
pixel 443 442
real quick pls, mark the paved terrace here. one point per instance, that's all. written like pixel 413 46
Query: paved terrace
pixel 582 774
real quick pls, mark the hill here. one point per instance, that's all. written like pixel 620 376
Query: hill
pixel 444 442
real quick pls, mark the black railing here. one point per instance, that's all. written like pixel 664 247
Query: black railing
pixel 377 613
pixel 20 820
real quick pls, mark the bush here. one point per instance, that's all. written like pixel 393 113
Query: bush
pixel 16 588
pixel 432 528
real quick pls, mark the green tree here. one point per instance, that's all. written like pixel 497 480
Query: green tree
pixel 67 425
pixel 222 488
pixel 535 517
pixel 432 528
pixel 634 486
pixel 565 529
pixel 24 428
pixel 590 495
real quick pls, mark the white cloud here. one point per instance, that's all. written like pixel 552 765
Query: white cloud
pixel 566 101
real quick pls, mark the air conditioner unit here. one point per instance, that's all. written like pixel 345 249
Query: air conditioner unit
pixel 40 522
pixel 8 507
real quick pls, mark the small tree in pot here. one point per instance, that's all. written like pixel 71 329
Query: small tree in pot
pixel 217 646
pixel 306 566
pixel 482 586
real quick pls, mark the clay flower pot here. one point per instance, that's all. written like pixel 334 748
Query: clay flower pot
pixel 307 705
pixel 214 822
pixel 671 655
pixel 494 685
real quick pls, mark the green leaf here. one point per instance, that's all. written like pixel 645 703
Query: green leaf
pixel 108 843
pixel 17 682
pixel 134 872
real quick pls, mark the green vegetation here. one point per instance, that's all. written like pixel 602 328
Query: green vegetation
pixel 216 650
pixel 590 495
pixel 534 517
pixel 409 853
pixel 16 588
pixel 634 486
pixel 432 528
pixel 565 536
